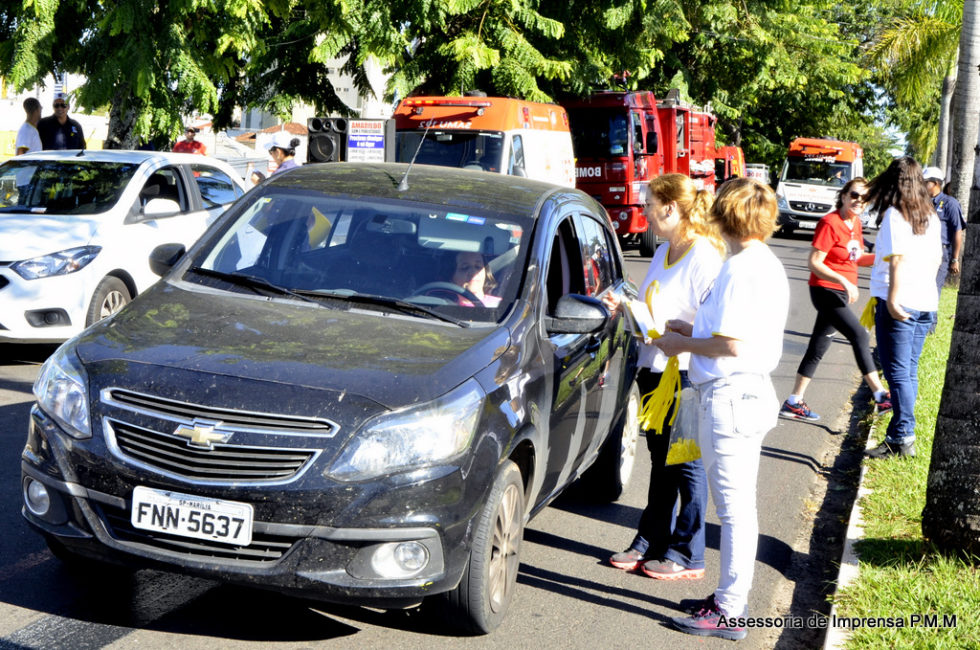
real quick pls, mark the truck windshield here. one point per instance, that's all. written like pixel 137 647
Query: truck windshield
pixel 599 132
pixel 479 150
pixel 816 172
pixel 62 187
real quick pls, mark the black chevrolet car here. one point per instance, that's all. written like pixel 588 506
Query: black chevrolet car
pixel 358 386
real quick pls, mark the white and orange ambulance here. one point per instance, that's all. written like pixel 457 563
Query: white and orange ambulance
pixel 493 134
pixel 814 171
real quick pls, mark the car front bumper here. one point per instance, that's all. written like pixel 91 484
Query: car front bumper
pixel 308 558
pixel 46 310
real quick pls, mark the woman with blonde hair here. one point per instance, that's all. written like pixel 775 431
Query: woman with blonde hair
pixel 669 546
pixel 735 342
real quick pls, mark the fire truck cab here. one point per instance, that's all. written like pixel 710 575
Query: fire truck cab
pixel 689 140
pixel 814 171
pixel 618 145
pixel 729 163
pixel 493 134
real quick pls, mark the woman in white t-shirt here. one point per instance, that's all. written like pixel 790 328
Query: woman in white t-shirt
pixel 669 546
pixel 908 252
pixel 735 342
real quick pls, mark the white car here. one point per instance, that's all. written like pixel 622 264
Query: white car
pixel 77 228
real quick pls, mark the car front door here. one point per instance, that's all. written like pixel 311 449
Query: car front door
pixel 574 359
pixel 603 268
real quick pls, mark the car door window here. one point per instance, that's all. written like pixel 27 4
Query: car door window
pixel 164 183
pixel 215 186
pixel 598 263
pixel 565 270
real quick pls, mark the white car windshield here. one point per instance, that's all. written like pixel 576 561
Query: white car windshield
pixel 461 265
pixel 62 186
pixel 816 172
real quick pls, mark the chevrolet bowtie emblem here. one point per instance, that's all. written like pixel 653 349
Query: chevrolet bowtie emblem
pixel 201 435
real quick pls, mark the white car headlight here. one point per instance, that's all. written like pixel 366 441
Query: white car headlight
pixel 60 263
pixel 781 202
pixel 61 390
pixel 418 436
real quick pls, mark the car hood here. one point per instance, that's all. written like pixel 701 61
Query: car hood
pixel 23 236
pixel 280 353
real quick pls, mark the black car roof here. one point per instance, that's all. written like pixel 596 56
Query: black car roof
pixel 426 184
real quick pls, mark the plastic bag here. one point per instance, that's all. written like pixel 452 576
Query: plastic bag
pixel 684 434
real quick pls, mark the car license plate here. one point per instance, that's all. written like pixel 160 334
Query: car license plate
pixel 229 522
pixel 809 225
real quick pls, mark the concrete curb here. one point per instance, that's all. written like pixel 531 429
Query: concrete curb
pixel 837 637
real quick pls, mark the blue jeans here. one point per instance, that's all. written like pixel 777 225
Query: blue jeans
pixel 899 346
pixel 667 530
pixel 735 414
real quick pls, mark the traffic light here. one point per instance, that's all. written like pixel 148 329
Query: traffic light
pixel 327 139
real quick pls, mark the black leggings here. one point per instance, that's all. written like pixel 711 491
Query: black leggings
pixel 834 314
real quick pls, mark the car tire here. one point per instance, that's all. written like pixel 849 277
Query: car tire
pixel 648 242
pixel 480 601
pixel 609 476
pixel 110 296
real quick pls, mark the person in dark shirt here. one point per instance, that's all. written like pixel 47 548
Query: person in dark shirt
pixel 951 217
pixel 59 131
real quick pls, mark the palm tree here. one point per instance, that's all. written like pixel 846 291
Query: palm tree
pixel 951 517
pixel 916 49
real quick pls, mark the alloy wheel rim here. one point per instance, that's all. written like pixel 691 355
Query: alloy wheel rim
pixel 631 433
pixel 113 302
pixel 504 551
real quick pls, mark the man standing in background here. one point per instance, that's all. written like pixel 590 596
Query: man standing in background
pixel 189 144
pixel 951 217
pixel 59 131
pixel 28 138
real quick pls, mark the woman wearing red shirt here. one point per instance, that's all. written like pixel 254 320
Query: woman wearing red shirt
pixel 838 251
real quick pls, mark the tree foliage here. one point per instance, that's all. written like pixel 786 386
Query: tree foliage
pixel 770 69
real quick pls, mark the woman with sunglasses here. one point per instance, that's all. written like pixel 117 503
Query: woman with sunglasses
pixel 838 251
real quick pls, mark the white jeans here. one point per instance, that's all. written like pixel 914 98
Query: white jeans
pixel 735 414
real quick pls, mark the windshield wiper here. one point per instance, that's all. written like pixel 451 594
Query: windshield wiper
pixel 252 282
pixel 401 305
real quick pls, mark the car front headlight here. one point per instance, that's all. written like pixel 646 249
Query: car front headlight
pixel 61 392
pixel 421 435
pixel 782 203
pixel 60 263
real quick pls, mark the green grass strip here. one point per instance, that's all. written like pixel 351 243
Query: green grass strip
pixel 907 595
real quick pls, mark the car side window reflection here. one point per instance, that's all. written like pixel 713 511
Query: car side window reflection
pixel 216 187
pixel 597 258
pixel 565 269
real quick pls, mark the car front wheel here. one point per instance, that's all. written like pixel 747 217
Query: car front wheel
pixel 480 601
pixel 110 296
pixel 609 476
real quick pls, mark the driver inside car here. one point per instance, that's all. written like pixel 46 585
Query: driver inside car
pixel 473 275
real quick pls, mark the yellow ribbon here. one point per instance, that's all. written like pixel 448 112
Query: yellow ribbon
pixel 656 404
pixel 867 319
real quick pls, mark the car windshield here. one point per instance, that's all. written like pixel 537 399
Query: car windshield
pixel 62 186
pixel 480 150
pixel 415 258
pixel 816 171
pixel 599 132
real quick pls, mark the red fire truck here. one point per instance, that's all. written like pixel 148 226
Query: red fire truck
pixel 729 163
pixel 624 139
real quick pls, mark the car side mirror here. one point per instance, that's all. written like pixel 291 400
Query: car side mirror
pixel 577 314
pixel 165 256
pixel 652 143
pixel 156 208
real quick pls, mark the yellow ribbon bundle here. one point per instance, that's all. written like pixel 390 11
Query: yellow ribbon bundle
pixel 656 403
pixel 868 315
